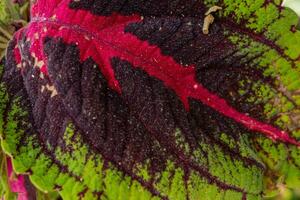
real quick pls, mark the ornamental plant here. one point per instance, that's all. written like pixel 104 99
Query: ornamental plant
pixel 194 99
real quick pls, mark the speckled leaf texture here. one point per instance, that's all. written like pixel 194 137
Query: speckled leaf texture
pixel 116 99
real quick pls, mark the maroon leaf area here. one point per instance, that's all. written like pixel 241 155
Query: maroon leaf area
pixel 104 37
pixel 217 65
pixel 128 74
pixel 118 126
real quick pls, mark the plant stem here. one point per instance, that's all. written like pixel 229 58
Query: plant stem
pixel 23 22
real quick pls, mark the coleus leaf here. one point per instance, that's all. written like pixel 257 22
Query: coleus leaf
pixel 16 183
pixel 129 99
